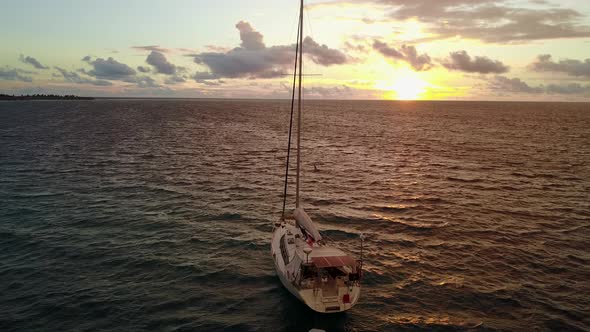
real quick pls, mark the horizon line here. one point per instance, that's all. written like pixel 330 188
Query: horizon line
pixel 310 99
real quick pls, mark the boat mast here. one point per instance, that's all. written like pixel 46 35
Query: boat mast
pixel 299 103
pixel 291 125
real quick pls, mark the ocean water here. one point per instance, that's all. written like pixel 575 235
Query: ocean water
pixel 130 215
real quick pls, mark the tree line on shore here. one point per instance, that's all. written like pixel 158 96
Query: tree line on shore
pixel 43 97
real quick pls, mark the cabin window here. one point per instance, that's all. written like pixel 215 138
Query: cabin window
pixel 284 251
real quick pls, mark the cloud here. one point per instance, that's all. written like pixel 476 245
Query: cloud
pixel 251 39
pixel 203 75
pixel 143 69
pixel 175 79
pixel 494 21
pixel 355 47
pixel 112 70
pixel 253 59
pixel 109 69
pixel 406 53
pixel 206 78
pixel 73 77
pixel 151 48
pixel 146 82
pixel 570 89
pixel 32 61
pixel 322 54
pixel 160 63
pixel 462 61
pixel 215 48
pixel 180 77
pixel 504 24
pixel 505 85
pixel 328 92
pixel 13 74
pixel 570 67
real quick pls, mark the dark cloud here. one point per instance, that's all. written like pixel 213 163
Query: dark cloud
pixel 462 61
pixel 254 59
pixel 251 39
pixel 495 21
pixel 570 89
pixel 206 78
pixel 109 69
pixel 151 48
pixel 146 82
pixel 328 92
pixel 13 74
pixel 175 79
pixel 505 85
pixel 406 53
pixel 112 70
pixel 203 75
pixel 160 63
pixel 387 51
pixel 322 54
pixel 355 47
pixel 143 69
pixel 213 83
pixel 487 21
pixel 504 24
pixel 570 67
pixel 143 81
pixel 73 77
pixel 239 63
pixel 32 61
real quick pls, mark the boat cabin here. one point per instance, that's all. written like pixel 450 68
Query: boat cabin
pixel 328 268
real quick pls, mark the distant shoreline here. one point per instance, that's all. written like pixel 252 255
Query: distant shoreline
pixel 5 97
pixel 43 97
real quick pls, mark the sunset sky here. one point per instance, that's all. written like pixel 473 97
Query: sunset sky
pixel 362 49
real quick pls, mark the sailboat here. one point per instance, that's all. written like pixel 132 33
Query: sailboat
pixel 324 277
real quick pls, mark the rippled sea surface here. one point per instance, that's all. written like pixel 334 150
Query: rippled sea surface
pixel 152 215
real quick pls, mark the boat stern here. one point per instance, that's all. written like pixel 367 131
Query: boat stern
pixel 321 301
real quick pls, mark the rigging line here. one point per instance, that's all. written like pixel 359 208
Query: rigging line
pixel 291 124
pixel 309 24
pixel 294 19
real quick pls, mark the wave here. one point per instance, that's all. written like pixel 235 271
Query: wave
pixel 464 180
pixel 391 208
pixel 339 234
pixel 223 216
pixel 425 199
pixel 412 223
pixel 39 194
pixel 436 322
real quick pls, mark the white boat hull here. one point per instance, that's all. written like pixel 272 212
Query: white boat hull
pixel 319 299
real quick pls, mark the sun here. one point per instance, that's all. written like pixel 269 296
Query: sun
pixel 405 85
pixel 409 88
